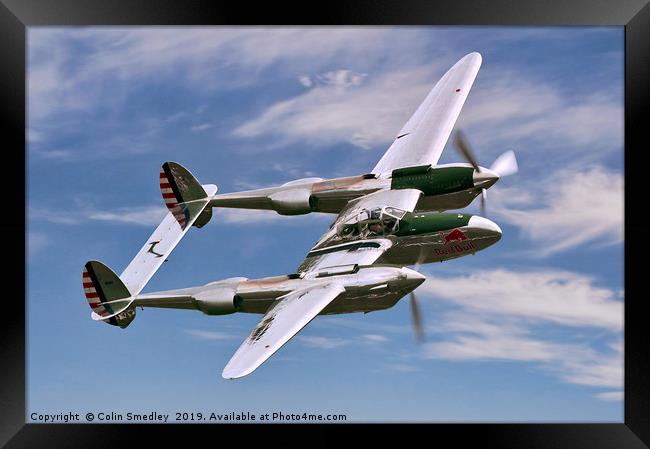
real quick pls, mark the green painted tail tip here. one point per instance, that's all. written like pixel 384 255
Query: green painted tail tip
pixel 184 184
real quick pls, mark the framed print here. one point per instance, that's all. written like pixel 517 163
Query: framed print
pixel 207 241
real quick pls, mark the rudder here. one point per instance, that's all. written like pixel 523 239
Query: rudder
pixel 107 295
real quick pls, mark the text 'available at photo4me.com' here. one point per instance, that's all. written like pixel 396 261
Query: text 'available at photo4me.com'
pixel 184 417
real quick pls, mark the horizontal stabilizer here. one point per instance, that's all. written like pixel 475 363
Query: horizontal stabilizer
pixel 111 297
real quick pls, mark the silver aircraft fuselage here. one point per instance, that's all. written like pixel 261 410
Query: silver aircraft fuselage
pixel 368 288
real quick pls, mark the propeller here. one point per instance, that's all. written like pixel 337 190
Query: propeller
pixel 416 316
pixel 464 149
pixel 416 319
pixel 504 165
pixel 483 201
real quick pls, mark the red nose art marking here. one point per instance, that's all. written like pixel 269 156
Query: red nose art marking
pixel 455 236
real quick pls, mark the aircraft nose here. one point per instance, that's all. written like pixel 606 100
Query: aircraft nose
pixel 483 223
pixel 412 278
pixel 484 178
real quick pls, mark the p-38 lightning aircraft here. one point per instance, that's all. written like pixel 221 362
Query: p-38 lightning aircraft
pixel 386 220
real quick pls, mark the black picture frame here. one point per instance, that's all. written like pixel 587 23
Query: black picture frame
pixel 634 15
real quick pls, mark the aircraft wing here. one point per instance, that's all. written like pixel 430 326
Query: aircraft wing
pixel 284 319
pixel 423 137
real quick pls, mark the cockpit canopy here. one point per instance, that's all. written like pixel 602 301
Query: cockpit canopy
pixel 373 222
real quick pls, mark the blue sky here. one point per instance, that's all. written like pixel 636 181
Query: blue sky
pixel 528 330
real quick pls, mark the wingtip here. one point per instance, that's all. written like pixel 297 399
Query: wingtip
pixel 233 374
pixel 470 59
pixel 232 371
pixel 475 56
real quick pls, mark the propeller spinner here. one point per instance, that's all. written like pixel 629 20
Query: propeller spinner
pixel 504 165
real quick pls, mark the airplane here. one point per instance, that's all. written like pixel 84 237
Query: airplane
pixel 360 262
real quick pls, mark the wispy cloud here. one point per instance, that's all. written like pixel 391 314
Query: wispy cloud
pixel 209 335
pixel 36 242
pixel 478 339
pixel 149 216
pixel 399 367
pixel 143 216
pixel 153 215
pixel 61 78
pixel 314 341
pixel 363 114
pixel 611 396
pixel 504 109
pixel 201 127
pixel 503 315
pixel 374 338
pixel 570 208
pixel 561 297
pixel 339 79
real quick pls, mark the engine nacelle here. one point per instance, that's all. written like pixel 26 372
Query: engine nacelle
pixel 221 300
pixel 292 202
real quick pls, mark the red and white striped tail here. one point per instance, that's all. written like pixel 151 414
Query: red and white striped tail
pixel 171 201
pixel 108 297
pixel 92 295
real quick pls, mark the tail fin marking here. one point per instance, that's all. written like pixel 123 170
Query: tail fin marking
pixel 107 295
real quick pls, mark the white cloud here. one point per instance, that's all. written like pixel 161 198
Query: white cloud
pixel 504 110
pixel 502 315
pixel 340 79
pixel 36 242
pixel 209 335
pixel 374 338
pixel 321 342
pixel 305 80
pixel 63 78
pixel 146 216
pixel 561 297
pixel 477 339
pixel 153 215
pixel 611 396
pixel 357 322
pixel 56 216
pixel 341 110
pixel 365 104
pixel 400 368
pixel 33 136
pixel 201 127
pixel 60 154
pixel 575 208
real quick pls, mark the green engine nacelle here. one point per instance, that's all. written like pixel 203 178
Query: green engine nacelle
pixel 433 181
pixel 419 223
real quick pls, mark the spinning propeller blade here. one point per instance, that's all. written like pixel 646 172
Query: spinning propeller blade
pixel 483 201
pixel 505 165
pixel 416 316
pixel 463 148
pixel 416 319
